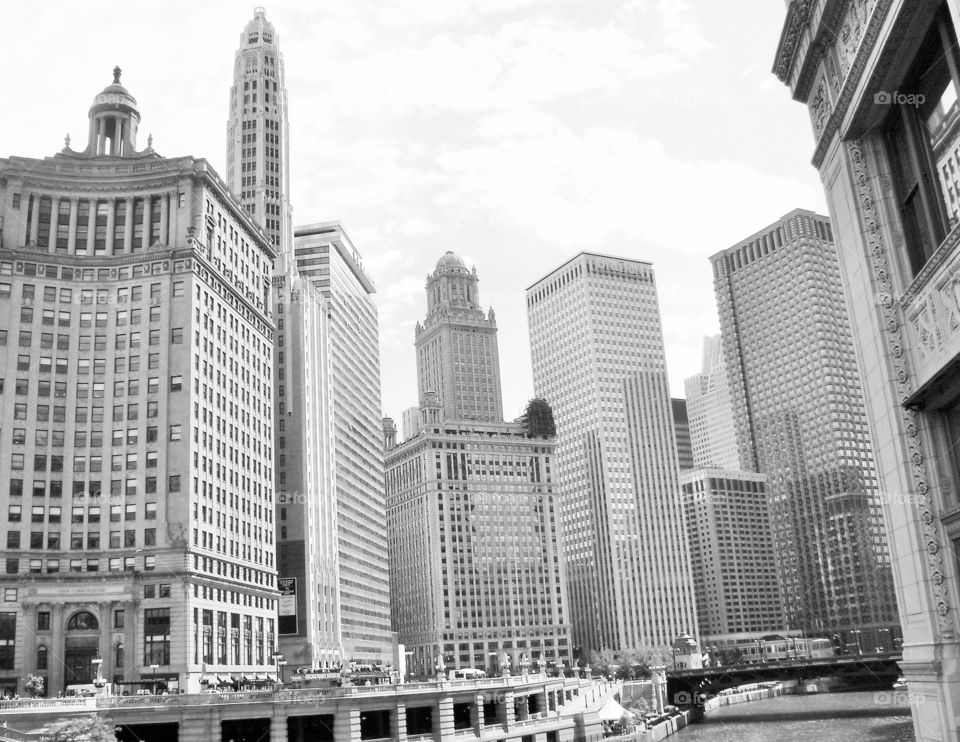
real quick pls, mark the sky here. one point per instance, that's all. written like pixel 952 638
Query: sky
pixel 516 133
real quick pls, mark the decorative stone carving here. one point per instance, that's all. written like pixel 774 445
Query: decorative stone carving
pixel 880 264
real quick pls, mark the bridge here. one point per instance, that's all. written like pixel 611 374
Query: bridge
pixel 868 671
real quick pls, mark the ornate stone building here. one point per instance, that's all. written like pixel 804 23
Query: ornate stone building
pixel 476 563
pixel 136 345
pixel 880 81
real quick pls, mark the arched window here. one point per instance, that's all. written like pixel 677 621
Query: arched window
pixel 118 657
pixel 82 621
pixel 41 657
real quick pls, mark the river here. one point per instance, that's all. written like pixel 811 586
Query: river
pixel 837 717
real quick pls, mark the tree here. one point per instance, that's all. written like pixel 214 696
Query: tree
pixel 34 686
pixel 537 419
pixel 601 661
pixel 85 728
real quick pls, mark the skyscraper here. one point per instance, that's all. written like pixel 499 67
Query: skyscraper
pixel 681 426
pixel 476 559
pixel 713 435
pixel 138 430
pixel 328 260
pixel 597 350
pixel 258 147
pixel 731 553
pixel 800 420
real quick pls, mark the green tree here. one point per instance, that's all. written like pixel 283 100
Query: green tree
pixel 601 661
pixel 83 728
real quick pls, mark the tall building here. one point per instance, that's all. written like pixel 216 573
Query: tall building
pixel 597 350
pixel 681 427
pixel 800 420
pixel 713 435
pixel 149 545
pixel 457 346
pixel 410 422
pixel 731 553
pixel 475 553
pixel 327 259
pixel 883 104
pixel 258 146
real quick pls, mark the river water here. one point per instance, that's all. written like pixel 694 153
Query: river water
pixel 825 717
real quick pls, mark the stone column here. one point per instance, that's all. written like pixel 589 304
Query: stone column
pixel 346 723
pixel 30 642
pixel 443 720
pixel 195 726
pixel 278 724
pixel 56 651
pixel 111 220
pixel 54 223
pixel 22 220
pixel 128 228
pixel 506 712
pixel 35 217
pixel 146 222
pixel 131 652
pixel 398 722
pixel 164 217
pixel 91 225
pixel 476 713
pixel 106 650
pixel 72 233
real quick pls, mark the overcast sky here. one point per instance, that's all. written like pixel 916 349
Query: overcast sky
pixel 514 132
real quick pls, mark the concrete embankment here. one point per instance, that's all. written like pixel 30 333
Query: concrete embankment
pixel 745 694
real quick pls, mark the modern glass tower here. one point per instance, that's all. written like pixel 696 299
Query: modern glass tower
pixel 598 359
pixel 800 419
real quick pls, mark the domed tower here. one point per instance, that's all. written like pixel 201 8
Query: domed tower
pixel 457 354
pixel 113 122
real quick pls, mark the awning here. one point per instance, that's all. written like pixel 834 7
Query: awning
pixel 261 677
pixel 225 680
pixel 248 678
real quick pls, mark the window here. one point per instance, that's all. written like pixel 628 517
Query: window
pixel 176 383
pixel 176 335
pixel 43 620
pixel 156 630
pixel 912 126
pixel 176 432
pixel 173 483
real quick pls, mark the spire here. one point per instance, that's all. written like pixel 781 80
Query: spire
pixel 116 75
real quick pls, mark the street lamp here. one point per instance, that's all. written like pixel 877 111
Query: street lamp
pixel 153 678
pixel 859 648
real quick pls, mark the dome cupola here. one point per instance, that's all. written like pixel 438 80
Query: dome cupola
pixel 113 121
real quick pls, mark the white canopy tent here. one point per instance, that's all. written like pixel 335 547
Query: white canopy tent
pixel 612 711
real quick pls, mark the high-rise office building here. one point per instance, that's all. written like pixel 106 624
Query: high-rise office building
pixel 476 560
pixel 598 359
pixel 731 553
pixel 258 147
pixel 137 437
pixel 800 420
pixel 328 260
pixel 713 435
pixel 883 101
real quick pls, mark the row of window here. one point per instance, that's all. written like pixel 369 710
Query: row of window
pixel 90 296
pixel 84 390
pixel 54 513
pixel 94 488
pixel 92 539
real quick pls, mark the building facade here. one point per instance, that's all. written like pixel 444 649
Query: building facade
pixel 800 419
pixel 597 352
pixel 457 353
pixel 139 531
pixel 476 558
pixel 681 427
pixel 713 435
pixel 327 259
pixel 882 98
pixel 731 553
